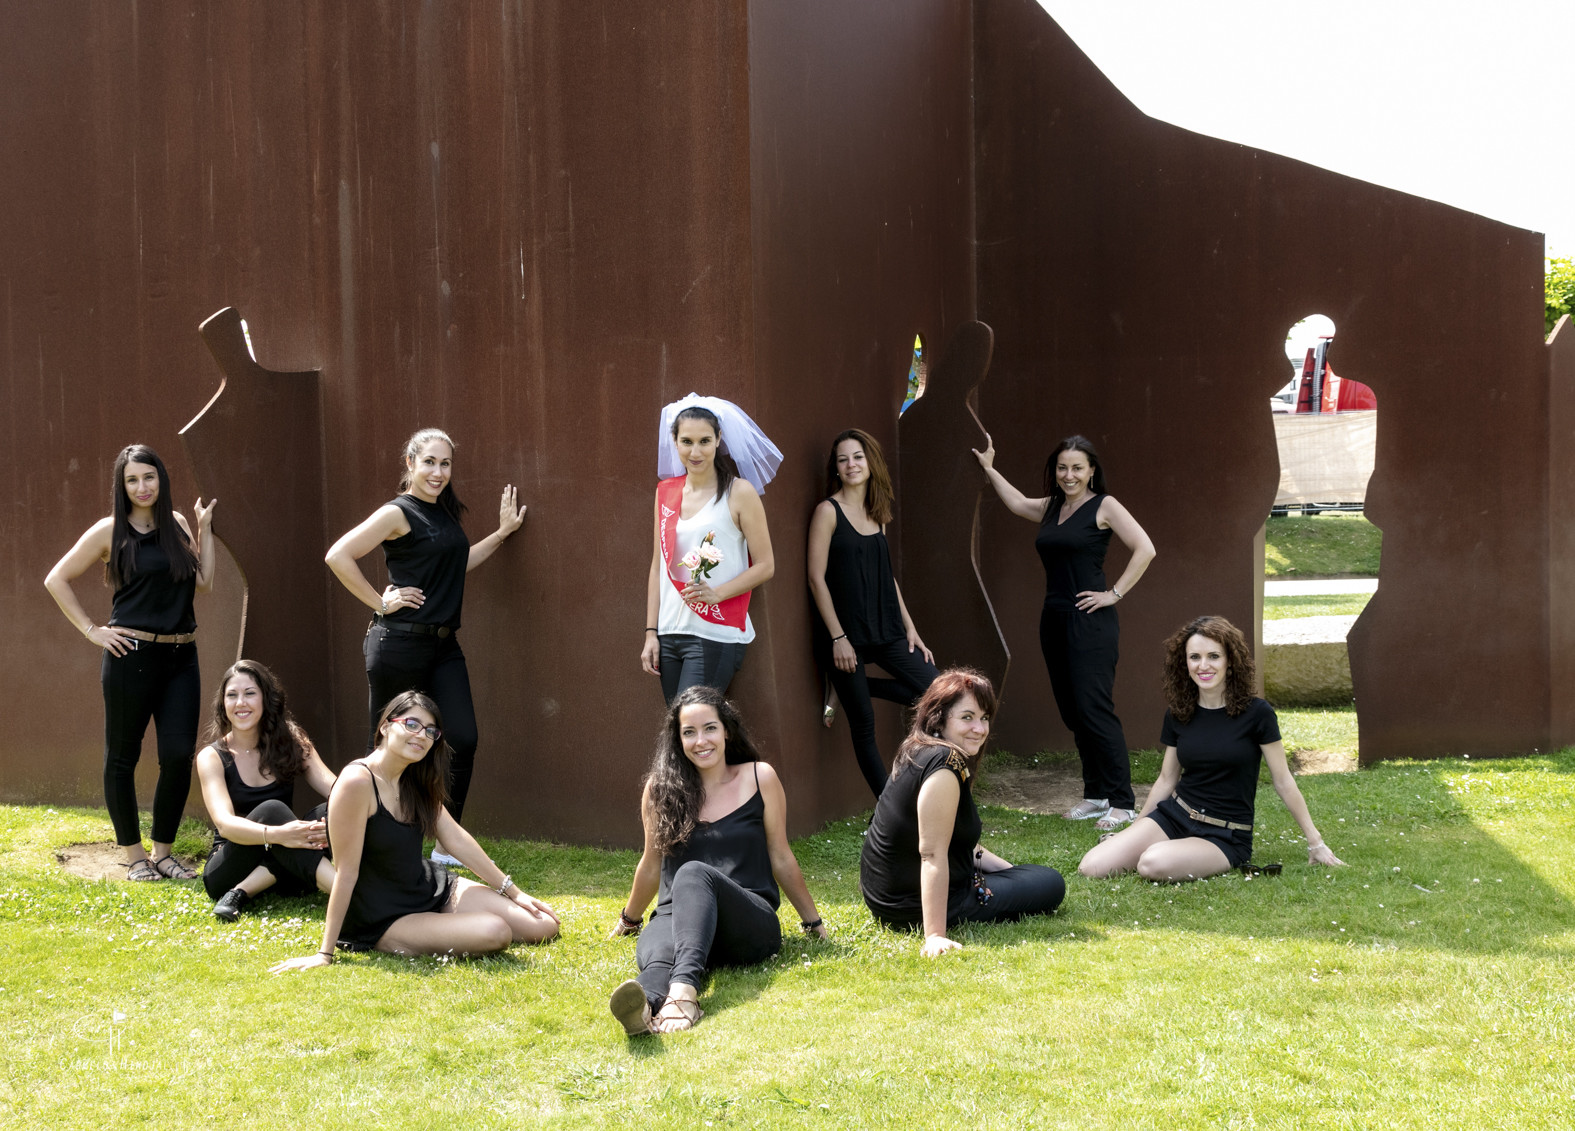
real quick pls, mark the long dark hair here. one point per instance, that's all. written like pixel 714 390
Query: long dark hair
pixel 281 743
pixel 1181 694
pixel 929 714
pixel 726 468
pixel 171 538
pixel 878 495
pixel 448 500
pixel 673 781
pixel 423 786
pixel 1096 482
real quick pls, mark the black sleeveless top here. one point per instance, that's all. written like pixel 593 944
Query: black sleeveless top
pixel 735 845
pixel 395 879
pixel 889 864
pixel 1073 554
pixel 244 798
pixel 150 599
pixel 432 557
pixel 863 589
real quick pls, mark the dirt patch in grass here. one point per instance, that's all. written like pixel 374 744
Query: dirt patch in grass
pixel 100 860
pixel 1322 762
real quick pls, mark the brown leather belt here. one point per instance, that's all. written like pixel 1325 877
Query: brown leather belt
pixel 438 630
pixel 1206 819
pixel 153 637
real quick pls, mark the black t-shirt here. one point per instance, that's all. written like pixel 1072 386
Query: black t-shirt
pixel 889 865
pixel 432 557
pixel 1220 756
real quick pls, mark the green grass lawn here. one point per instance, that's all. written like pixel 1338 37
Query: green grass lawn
pixel 1429 984
pixel 1326 545
pixel 1315 605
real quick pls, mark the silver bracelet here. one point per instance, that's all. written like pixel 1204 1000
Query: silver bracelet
pixel 503 887
pixel 1116 591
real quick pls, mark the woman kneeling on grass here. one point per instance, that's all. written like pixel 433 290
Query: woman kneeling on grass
pixel 1198 819
pixel 248 771
pixel 922 863
pixel 385 894
pixel 716 848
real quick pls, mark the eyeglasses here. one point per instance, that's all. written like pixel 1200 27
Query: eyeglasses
pixel 414 725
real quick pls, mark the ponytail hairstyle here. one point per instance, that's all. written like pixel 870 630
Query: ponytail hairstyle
pixel 448 499
pixel 726 469
pixel 172 539
pixel 673 781
pixel 423 787
pixel 1096 482
pixel 1181 694
pixel 929 714
pixel 878 495
pixel 282 745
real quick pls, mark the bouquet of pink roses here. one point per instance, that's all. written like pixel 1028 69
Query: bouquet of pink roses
pixel 703 558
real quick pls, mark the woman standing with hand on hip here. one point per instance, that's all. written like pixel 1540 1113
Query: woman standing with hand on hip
pixel 1078 629
pixel 856 594
pixel 411 643
pixel 712 547
pixel 149 671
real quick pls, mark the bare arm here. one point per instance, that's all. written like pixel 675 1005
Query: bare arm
pixel 1016 502
pixel 987 861
pixel 92 547
pixel 938 799
pixel 750 515
pixel 647 873
pixel 349 809
pixel 1116 517
pixel 318 775
pixel 821 527
pixel 510 516
pixel 1165 784
pixel 241 830
pixel 207 559
pixel 651 649
pixel 907 625
pixel 456 840
pixel 386 522
pixel 1285 785
pixel 784 865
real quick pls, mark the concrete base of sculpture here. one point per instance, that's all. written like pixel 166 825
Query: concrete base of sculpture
pixel 1305 663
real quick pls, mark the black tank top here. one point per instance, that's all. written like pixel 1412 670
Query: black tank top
pixel 432 557
pixel 1073 554
pixel 735 845
pixel 395 879
pixel 244 798
pixel 863 590
pixel 149 598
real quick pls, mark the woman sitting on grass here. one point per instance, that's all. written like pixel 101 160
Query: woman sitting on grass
pixel 716 848
pixel 922 863
pixel 385 894
pixel 256 751
pixel 1198 819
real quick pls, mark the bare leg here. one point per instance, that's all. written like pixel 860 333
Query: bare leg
pixel 525 926
pixel 325 875
pixel 438 932
pixel 1121 852
pixel 680 1011
pixel 1176 861
pixel 260 880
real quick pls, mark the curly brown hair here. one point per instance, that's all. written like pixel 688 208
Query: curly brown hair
pixel 929 713
pixel 281 743
pixel 1181 694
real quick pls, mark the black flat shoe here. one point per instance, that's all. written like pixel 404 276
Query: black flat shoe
pixel 230 905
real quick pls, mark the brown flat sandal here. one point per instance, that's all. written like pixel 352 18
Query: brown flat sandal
pixel 679 1004
pixel 143 872
pixel 172 869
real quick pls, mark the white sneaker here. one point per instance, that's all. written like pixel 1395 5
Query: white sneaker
pixel 443 858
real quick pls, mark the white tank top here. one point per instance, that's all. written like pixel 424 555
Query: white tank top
pixel 675 616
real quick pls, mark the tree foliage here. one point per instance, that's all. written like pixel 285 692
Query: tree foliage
pixel 1559 291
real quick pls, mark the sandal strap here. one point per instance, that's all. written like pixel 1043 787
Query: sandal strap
pixel 177 871
pixel 679 1004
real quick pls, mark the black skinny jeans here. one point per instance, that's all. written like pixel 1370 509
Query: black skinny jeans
pixel 294 869
pixel 1081 651
pixel 160 682
pixel 397 662
pixel 687 661
pixel 711 922
pixel 911 676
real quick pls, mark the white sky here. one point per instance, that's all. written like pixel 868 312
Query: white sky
pixel 1464 102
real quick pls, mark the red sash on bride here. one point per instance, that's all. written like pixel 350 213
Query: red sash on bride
pixel 670 500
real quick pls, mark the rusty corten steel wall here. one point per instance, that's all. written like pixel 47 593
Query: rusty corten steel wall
pixel 528 225
pixel 1140 280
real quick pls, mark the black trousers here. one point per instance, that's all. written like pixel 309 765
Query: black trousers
pixel 689 661
pixel 1081 651
pixel 294 869
pixel 911 676
pixel 161 683
pixel 712 922
pixel 397 662
pixel 1023 889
